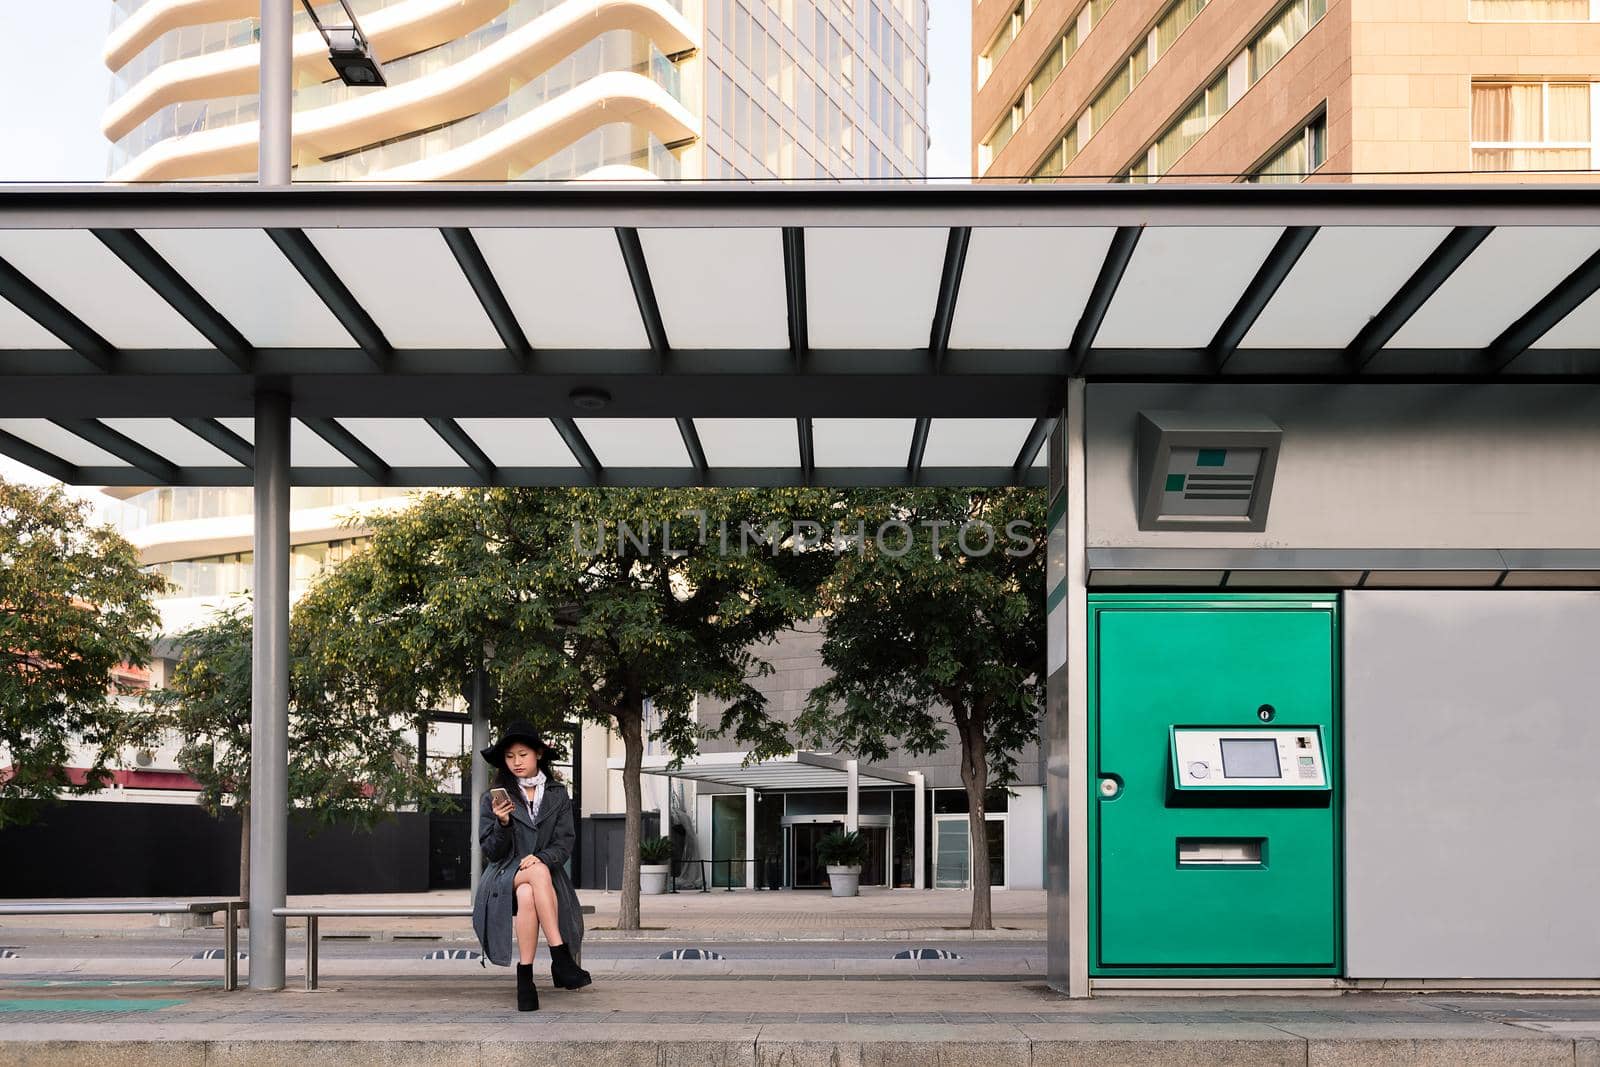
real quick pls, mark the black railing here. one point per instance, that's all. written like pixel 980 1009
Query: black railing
pixel 769 873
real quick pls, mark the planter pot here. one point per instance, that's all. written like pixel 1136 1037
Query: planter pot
pixel 653 879
pixel 844 881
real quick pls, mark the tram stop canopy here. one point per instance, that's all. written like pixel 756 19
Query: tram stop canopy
pixel 666 336
pixel 652 335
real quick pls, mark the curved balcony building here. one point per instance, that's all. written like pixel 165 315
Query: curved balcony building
pixel 498 90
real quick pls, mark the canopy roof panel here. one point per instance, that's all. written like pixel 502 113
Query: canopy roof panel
pixel 452 335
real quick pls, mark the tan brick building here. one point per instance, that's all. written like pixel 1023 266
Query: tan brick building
pixel 1285 90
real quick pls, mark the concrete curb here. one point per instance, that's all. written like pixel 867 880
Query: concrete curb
pixel 566 1045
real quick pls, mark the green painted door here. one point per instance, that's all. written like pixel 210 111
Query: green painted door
pixel 1213 661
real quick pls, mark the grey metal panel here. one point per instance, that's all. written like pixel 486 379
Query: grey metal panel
pixel 1378 467
pixel 1471 800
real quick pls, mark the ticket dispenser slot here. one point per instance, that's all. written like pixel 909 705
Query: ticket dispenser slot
pixel 1218 852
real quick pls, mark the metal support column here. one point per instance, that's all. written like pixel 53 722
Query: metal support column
pixel 269 694
pixel 919 832
pixel 277 91
pixel 852 796
pixel 1067 700
pixel 749 837
pixel 479 779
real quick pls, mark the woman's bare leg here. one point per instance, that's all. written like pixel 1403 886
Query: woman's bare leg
pixel 545 904
pixel 526 921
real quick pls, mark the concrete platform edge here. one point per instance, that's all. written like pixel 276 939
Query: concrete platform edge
pixel 848 1046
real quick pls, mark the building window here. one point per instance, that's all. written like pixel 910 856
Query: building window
pixel 1009 28
pixel 1298 158
pixel 1533 126
pixel 1174 19
pixel 1534 11
pixel 1293 21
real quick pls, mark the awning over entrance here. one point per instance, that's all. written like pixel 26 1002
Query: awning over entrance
pixel 798 770
pixel 669 336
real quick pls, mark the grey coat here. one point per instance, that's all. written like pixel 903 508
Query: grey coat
pixel 550 839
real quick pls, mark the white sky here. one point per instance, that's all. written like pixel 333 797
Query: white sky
pixel 54 88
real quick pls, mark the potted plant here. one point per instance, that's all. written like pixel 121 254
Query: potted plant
pixel 655 862
pixel 844 853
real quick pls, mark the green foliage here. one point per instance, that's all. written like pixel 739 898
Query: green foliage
pixel 843 849
pixel 933 642
pixel 73 606
pixel 655 850
pixel 933 638
pixel 576 633
pixel 349 760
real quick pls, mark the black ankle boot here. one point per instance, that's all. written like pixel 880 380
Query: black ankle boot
pixel 527 995
pixel 564 970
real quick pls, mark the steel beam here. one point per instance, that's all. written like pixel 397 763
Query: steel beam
pixel 1575 289
pixel 808 450
pixel 269 695
pixel 1434 272
pixel 691 443
pixel 132 452
pixel 487 287
pixel 919 445
pixel 44 309
pixel 568 429
pixel 944 313
pixel 221 438
pixel 1259 293
pixel 1105 288
pixel 175 289
pixel 465 447
pixel 794 277
pixel 31 455
pixel 350 446
pixel 644 293
pixel 326 283
pixel 1030 450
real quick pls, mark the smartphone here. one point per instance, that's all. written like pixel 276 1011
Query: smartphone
pixel 499 794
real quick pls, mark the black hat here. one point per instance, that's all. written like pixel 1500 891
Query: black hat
pixel 495 754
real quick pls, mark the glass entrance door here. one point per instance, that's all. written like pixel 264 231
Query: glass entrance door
pixel 806 871
pixel 952 851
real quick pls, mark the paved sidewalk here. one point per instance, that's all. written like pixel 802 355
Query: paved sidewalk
pixel 718 915
pixel 468 1019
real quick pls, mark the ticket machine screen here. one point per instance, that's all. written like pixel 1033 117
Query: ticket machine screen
pixel 1214 758
pixel 1252 758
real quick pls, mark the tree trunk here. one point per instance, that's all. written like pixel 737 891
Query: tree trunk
pixel 631 725
pixel 975 776
pixel 244 851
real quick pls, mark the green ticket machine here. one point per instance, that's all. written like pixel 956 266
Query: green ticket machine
pixel 1214 778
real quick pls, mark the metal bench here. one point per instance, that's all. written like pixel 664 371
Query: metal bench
pixel 230 929
pixel 313 915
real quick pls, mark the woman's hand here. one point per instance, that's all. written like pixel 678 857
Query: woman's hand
pixel 527 861
pixel 502 809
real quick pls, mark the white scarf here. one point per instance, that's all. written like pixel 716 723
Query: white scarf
pixel 536 783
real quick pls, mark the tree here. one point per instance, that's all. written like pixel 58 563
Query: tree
pixel 74 605
pixel 349 759
pixel 937 627
pixel 596 600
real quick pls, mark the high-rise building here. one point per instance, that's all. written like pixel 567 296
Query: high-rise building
pixel 1286 90
pixel 495 90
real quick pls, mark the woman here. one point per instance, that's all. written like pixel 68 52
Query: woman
pixel 526 841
